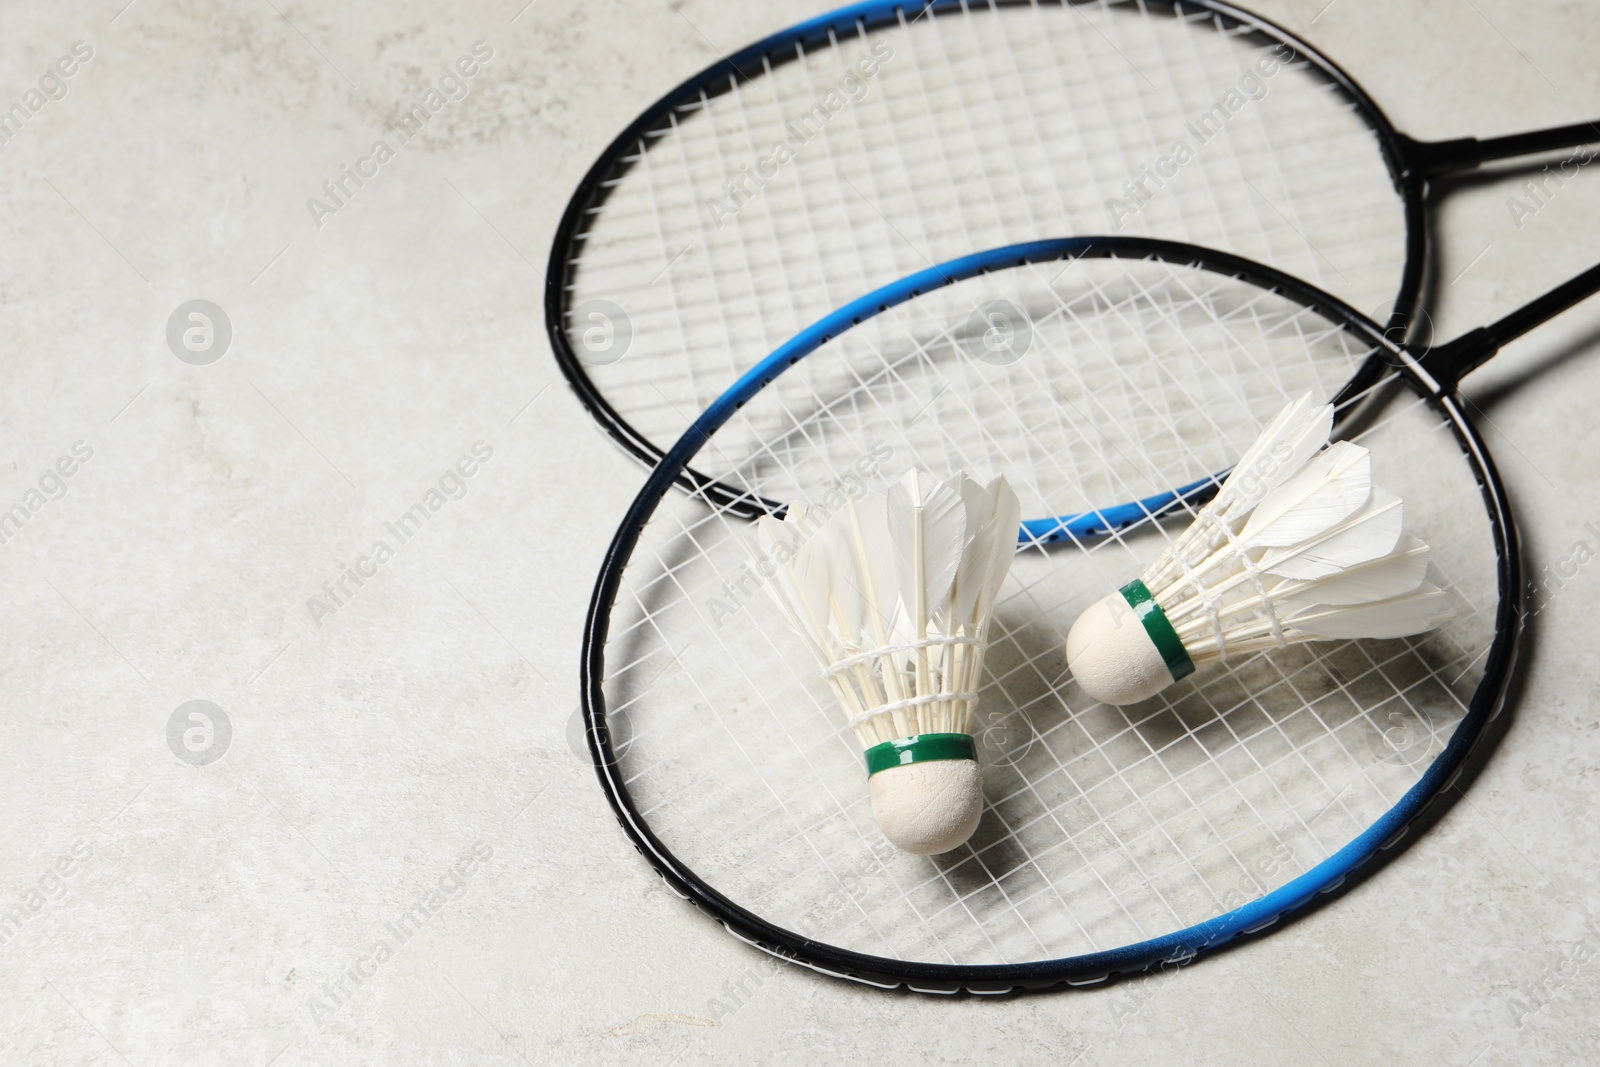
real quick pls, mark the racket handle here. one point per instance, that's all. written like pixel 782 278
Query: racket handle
pixel 1431 158
pixel 1454 360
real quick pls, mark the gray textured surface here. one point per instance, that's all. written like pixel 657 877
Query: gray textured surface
pixel 206 911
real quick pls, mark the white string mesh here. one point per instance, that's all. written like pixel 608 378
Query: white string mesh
pixel 1104 825
pixel 977 128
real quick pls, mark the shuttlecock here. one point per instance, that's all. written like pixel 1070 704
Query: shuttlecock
pixel 892 593
pixel 1298 545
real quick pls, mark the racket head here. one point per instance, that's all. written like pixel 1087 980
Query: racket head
pixel 656 296
pixel 1116 839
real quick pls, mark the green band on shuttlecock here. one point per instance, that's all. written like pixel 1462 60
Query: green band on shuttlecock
pixel 923 748
pixel 1156 624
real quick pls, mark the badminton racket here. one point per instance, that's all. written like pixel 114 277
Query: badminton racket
pixel 1115 839
pixel 816 165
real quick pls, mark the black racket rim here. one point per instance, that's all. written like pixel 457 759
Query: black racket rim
pixel 1428 798
pixel 745 65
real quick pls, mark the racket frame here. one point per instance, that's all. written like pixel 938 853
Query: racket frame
pixel 1419 806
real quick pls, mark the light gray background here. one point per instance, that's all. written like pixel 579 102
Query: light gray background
pixel 220 903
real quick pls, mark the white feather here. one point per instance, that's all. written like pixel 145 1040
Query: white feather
pixel 1377 579
pixel 867 525
pixel 993 517
pixel 1411 613
pixel 1331 486
pixel 1283 448
pixel 844 584
pixel 928 525
pixel 1370 532
pixel 1001 545
pixel 808 574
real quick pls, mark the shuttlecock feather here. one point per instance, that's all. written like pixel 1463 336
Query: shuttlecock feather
pixel 892 594
pixel 1298 545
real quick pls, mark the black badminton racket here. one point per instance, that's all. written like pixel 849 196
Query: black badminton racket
pixel 1114 839
pixel 824 161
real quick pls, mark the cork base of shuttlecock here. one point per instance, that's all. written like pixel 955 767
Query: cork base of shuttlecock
pixel 1112 656
pixel 929 807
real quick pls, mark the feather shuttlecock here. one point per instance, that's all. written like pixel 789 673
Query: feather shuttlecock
pixel 1298 545
pixel 892 593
